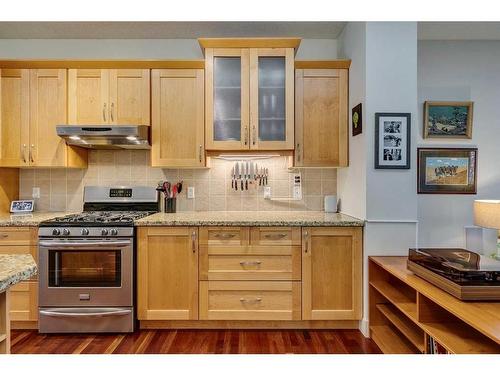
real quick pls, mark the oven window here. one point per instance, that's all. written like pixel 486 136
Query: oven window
pixel 84 268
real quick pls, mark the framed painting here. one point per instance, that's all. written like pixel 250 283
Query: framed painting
pixel 448 120
pixel 392 140
pixel 447 171
pixel 357 120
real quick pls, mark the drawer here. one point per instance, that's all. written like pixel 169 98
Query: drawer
pixel 18 236
pixel 275 236
pixel 250 263
pixel 250 300
pixel 24 301
pixel 227 236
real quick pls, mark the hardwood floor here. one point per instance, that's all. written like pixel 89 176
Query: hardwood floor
pixel 196 342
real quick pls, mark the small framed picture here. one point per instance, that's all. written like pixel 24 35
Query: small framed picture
pixel 392 140
pixel 447 170
pixel 357 120
pixel 448 120
pixel 22 206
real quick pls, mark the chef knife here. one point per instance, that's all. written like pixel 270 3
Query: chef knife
pixel 247 175
pixel 232 177
pixel 236 173
pixel 242 172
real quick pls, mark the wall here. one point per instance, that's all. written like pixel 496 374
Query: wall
pixel 310 49
pixel 460 70
pixel 62 189
pixel 385 80
pixel 352 180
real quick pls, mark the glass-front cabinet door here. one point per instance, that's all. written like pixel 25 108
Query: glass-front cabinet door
pixel 227 99
pixel 271 98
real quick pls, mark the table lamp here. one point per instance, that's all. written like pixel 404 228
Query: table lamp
pixel 487 215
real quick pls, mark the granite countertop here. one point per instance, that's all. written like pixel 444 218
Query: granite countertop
pixel 15 268
pixel 251 218
pixel 28 220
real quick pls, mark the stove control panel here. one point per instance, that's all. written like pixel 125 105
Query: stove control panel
pixel 85 232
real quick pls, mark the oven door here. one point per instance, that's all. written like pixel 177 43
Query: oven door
pixel 85 272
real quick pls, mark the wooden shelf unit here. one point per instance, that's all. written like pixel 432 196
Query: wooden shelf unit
pixel 406 310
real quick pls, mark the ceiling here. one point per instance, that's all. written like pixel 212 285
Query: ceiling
pixel 459 30
pixel 168 30
pixel 193 30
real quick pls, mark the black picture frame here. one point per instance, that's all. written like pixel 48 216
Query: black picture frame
pixel 441 154
pixel 399 123
pixel 357 120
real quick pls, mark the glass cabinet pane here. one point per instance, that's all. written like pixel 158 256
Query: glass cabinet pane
pixel 227 99
pixel 272 124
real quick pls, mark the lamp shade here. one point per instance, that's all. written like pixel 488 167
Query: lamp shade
pixel 487 213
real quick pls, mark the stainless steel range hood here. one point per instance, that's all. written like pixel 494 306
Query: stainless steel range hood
pixel 106 137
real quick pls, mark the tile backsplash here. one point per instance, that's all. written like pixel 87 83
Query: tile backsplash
pixel 62 190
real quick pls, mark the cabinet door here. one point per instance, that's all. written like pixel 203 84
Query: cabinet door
pixel 14 142
pixel 47 109
pixel 271 98
pixel 321 127
pixel 331 273
pixel 88 93
pixel 129 96
pixel 177 107
pixel 167 273
pixel 227 99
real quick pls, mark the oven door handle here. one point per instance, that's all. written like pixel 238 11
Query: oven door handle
pixel 83 245
pixel 83 313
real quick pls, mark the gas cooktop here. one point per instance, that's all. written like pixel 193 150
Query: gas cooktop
pixel 97 219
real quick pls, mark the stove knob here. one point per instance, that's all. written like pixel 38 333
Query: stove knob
pixel 85 232
pixel 104 232
pixel 66 232
pixel 114 232
pixel 56 232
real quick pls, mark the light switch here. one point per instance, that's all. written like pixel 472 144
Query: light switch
pixel 190 192
pixel 267 192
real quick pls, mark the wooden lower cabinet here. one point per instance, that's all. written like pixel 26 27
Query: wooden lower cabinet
pixel 331 273
pixel 167 273
pixel 250 274
pixel 24 302
pixel 250 300
pixel 23 296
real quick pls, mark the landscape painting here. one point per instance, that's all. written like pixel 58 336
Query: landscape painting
pixel 447 170
pixel 448 119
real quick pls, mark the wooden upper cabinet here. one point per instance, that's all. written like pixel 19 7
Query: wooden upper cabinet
pixel 167 273
pixel 129 96
pixel 108 96
pixel 88 94
pixel 227 98
pixel 331 273
pixel 271 98
pixel 177 111
pixel 14 143
pixel 249 98
pixel 48 108
pixel 321 118
pixel 33 103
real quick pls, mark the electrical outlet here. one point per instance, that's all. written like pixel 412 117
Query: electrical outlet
pixel 36 192
pixel 190 194
pixel 267 192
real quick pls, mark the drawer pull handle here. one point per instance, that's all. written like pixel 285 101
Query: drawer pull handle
pixel 3 235
pixel 251 263
pixel 275 236
pixel 193 241
pixel 254 300
pixel 224 236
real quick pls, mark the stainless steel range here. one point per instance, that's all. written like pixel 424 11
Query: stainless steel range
pixel 86 262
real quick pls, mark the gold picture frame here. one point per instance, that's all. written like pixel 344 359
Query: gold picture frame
pixel 449 120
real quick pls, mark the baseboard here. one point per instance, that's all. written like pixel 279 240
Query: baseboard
pixel 248 324
pixel 364 327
